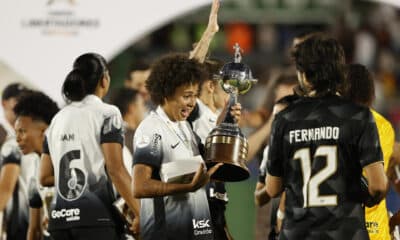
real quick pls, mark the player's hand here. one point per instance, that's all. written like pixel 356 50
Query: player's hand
pixel 213 19
pixel 202 177
pixel 135 227
pixel 45 223
pixel 236 112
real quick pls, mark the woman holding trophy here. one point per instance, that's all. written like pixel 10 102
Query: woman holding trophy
pixel 168 174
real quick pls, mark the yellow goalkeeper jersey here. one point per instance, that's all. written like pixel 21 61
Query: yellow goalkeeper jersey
pixel 376 218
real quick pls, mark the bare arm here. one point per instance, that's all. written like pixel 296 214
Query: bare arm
pixel 393 171
pixel 201 48
pixel 264 192
pixel 145 186
pixel 273 186
pixel 394 161
pixel 35 227
pixel 257 139
pixel 46 175
pixel 377 181
pixel 119 174
pixel 8 178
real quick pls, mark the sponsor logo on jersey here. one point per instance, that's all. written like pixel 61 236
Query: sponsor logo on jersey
pixel 72 214
pixel 201 227
pixel 372 227
pixel 199 224
pixel 218 195
pixel 173 146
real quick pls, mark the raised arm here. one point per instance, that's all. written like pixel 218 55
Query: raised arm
pixel 257 139
pixel 200 50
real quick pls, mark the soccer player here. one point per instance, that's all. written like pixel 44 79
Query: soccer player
pixel 319 146
pixel 359 88
pixel 171 210
pixel 9 98
pixel 82 157
pixel 30 126
pixel 131 105
pixel 14 172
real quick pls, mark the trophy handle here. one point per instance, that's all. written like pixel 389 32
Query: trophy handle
pixel 228 116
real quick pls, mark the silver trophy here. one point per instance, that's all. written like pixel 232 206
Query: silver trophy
pixel 226 143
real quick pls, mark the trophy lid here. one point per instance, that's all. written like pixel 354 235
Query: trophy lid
pixel 236 76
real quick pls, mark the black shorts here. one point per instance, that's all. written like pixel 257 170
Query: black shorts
pixel 86 233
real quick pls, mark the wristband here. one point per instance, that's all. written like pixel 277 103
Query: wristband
pixel 280 215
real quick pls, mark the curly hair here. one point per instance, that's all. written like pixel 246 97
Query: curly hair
pixel 36 105
pixel 359 85
pixel 322 60
pixel 170 72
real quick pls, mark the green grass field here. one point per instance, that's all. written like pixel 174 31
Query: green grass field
pixel 241 209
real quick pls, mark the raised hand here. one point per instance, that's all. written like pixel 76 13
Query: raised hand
pixel 213 19
pixel 236 112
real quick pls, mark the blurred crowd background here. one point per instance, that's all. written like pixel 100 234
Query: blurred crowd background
pixel 369 32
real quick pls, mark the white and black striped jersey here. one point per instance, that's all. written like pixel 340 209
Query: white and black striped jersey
pixel 17 209
pixel 73 141
pixel 205 122
pixel 160 141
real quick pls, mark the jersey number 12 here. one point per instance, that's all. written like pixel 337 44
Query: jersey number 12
pixel 311 195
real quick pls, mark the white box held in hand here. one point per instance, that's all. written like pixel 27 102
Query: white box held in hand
pixel 180 171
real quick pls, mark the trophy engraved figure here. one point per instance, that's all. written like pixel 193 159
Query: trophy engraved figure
pixel 226 143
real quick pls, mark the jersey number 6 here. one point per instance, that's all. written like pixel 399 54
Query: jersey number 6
pixel 72 178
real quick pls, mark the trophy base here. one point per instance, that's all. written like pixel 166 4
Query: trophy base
pixel 229 172
pixel 230 150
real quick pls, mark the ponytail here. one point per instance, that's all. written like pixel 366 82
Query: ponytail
pixel 88 70
pixel 73 88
